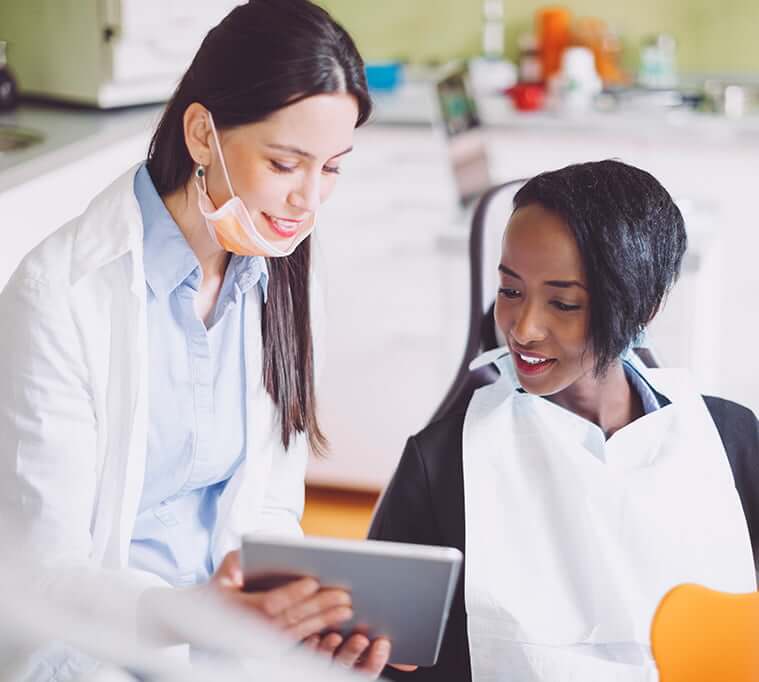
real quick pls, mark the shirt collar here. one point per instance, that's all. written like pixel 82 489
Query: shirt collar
pixel 169 260
pixel 651 399
pixel 246 272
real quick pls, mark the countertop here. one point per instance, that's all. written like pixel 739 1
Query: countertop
pixel 73 133
pixel 414 103
pixel 69 134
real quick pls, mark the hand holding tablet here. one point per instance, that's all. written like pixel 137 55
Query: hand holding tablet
pixel 399 591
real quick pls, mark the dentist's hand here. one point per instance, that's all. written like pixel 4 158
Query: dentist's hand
pixel 357 652
pixel 300 609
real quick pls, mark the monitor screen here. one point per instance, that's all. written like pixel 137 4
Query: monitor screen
pixel 466 145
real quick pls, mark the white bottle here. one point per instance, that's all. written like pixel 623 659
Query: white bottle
pixel 492 29
pixel 577 83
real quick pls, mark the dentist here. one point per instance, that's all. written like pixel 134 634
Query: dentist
pixel 157 361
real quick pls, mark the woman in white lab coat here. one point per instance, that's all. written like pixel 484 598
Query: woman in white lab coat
pixel 157 362
pixel 581 485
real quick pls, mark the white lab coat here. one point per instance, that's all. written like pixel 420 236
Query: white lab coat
pixel 74 405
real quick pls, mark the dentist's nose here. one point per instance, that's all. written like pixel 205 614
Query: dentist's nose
pixel 307 196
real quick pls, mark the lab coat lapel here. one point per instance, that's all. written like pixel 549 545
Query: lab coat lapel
pixel 108 247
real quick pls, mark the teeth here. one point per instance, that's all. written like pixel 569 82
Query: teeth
pixel 285 224
pixel 531 361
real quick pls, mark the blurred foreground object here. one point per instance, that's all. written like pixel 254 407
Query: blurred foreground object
pixel 701 635
pixel 227 643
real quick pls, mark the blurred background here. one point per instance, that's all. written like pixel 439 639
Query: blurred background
pixel 712 37
pixel 468 93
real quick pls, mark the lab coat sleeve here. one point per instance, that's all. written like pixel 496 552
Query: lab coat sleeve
pixel 48 430
pixel 48 468
pixel 284 498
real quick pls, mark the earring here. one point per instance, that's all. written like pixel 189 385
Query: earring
pixel 200 172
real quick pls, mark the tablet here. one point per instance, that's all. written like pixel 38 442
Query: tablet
pixel 400 591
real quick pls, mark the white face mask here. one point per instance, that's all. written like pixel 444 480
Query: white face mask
pixel 231 226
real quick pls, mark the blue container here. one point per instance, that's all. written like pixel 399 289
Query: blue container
pixel 384 76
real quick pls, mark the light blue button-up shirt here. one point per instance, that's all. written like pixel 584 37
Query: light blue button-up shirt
pixel 196 433
pixel 647 394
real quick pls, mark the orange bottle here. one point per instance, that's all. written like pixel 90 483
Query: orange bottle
pixel 553 26
pixel 593 33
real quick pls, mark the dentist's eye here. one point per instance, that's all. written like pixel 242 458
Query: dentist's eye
pixel 280 167
pixel 508 292
pixel 334 170
pixel 564 307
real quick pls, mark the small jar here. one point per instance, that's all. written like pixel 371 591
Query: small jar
pixel 8 88
pixel 530 65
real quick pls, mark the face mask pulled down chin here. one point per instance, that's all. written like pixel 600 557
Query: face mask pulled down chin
pixel 231 226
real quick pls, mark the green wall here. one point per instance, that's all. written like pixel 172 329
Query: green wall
pixel 714 36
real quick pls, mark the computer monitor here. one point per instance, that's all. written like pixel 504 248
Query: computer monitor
pixel 464 135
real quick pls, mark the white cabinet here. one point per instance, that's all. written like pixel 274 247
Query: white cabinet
pixel 396 302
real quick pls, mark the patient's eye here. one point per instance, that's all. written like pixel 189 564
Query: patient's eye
pixel 508 292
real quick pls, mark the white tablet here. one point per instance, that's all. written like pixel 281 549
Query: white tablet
pixel 400 591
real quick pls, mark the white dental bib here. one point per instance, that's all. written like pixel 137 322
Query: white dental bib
pixel 572 540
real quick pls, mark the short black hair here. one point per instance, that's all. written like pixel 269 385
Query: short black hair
pixel 632 239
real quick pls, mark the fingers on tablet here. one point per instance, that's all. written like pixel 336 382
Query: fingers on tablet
pixel 330 642
pixel 331 618
pixel 352 650
pixel 274 602
pixel 376 657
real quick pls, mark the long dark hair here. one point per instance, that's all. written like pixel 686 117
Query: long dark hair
pixel 632 239
pixel 265 55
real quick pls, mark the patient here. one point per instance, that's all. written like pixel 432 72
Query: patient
pixel 581 485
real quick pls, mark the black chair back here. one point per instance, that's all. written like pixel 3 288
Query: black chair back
pixel 481 335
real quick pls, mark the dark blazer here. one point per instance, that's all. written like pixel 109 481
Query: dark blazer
pixel 424 503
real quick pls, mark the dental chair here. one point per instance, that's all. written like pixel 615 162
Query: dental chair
pixel 489 220
pixel 701 635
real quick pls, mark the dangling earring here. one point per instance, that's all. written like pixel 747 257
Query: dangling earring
pixel 200 174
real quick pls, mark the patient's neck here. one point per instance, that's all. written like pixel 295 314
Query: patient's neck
pixel 608 401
